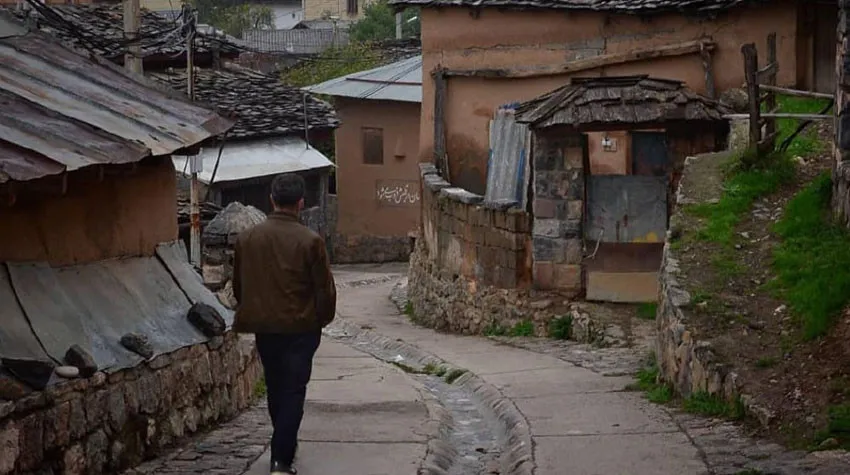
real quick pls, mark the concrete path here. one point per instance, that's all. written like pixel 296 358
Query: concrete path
pixel 362 417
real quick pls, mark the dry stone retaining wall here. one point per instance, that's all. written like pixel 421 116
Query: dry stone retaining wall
pixel 112 421
pixel 841 168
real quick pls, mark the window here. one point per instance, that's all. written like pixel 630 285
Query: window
pixel 373 146
pixel 351 7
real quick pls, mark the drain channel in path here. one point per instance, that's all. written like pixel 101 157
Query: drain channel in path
pixel 474 434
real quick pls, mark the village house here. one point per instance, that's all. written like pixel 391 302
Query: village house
pixel 111 349
pixel 480 55
pixel 377 175
pixel 274 122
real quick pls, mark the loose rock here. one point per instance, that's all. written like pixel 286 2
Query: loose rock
pixel 138 344
pixel 207 319
pixel 68 372
pixel 82 359
pixel 35 373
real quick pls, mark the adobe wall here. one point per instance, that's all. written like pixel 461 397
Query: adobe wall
pixel 117 217
pixel 471 266
pixel 455 38
pixel 377 205
pixel 109 422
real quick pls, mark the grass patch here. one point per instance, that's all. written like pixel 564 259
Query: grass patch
pixel 260 389
pixel 750 471
pixel 561 328
pixel 812 262
pixel 647 311
pixel 647 382
pixel 767 362
pixel 495 329
pixel 454 374
pixel 807 142
pixel 408 309
pixel 523 328
pixel 711 405
pixel 741 188
pixel 406 368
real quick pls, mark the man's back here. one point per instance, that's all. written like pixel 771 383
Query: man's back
pixel 282 278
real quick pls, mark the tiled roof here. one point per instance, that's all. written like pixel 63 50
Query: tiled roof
pixel 618 100
pixel 62 111
pixel 262 105
pixel 100 28
pixel 622 6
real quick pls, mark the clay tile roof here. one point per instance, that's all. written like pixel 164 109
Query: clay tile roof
pixel 261 104
pixel 99 28
pixel 622 6
pixel 619 100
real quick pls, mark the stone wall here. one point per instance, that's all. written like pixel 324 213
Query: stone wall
pixel 470 270
pixel 841 167
pixel 112 421
pixel 688 364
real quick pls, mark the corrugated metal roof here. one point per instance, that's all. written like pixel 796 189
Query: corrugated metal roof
pixel 63 111
pixel 401 81
pixel 618 6
pixel 244 160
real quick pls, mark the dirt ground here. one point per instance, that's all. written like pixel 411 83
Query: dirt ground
pixel 752 330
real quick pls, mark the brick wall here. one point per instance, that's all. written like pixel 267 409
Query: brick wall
pixel 841 169
pixel 470 271
pixel 558 210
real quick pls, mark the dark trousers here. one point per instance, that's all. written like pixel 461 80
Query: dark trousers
pixel 287 363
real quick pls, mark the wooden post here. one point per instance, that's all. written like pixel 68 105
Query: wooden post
pixel 440 154
pixel 708 67
pixel 770 101
pixel 197 163
pixel 133 57
pixel 751 76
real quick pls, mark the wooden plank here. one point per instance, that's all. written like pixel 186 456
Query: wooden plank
pixel 641 54
pixel 796 92
pixel 770 80
pixel 440 153
pixel 782 115
pixel 708 67
pixel 766 72
pixel 750 74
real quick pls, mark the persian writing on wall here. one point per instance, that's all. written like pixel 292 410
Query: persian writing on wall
pixel 397 192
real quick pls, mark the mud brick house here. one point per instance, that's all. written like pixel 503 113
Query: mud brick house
pixel 273 121
pixel 377 178
pixel 588 220
pixel 479 55
pixel 110 347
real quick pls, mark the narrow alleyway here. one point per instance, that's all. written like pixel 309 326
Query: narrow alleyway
pixel 380 406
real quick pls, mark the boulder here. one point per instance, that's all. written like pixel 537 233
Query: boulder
pixel 230 222
pixel 207 319
pixel 35 373
pixel 735 99
pixel 83 360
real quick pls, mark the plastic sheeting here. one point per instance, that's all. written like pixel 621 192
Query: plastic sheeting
pixel 94 305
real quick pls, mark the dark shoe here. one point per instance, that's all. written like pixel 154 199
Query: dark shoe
pixel 283 469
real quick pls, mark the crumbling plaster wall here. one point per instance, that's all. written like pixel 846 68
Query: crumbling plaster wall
pixel 454 38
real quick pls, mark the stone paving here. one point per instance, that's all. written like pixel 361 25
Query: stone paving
pixel 523 406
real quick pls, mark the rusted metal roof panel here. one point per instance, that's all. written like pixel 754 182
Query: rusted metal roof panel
pixel 618 6
pixel 63 111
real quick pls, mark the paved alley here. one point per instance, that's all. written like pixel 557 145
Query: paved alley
pixel 377 406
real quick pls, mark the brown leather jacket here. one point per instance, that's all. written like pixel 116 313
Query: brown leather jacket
pixel 282 278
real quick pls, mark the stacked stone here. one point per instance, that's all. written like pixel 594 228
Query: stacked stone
pixel 841 168
pixel 558 210
pixel 112 421
pixel 219 238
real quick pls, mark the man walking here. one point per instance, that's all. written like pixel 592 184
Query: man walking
pixel 286 294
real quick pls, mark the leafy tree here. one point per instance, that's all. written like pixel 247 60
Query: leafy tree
pixel 333 63
pixel 378 23
pixel 232 17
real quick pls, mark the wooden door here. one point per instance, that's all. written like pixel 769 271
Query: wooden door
pixel 825 46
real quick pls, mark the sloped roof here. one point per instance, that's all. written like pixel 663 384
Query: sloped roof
pixel 620 6
pixel 619 100
pixel 62 111
pixel 399 81
pixel 100 28
pixel 262 105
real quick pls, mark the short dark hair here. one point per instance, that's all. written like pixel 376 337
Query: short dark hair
pixel 287 189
